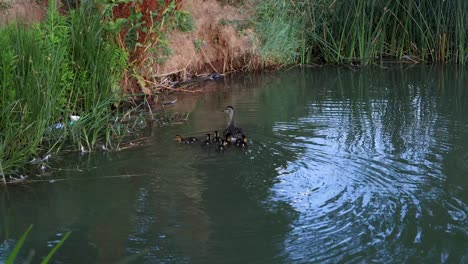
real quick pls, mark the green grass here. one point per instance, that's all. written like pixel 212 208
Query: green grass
pixel 279 31
pixel 64 66
pixel 364 31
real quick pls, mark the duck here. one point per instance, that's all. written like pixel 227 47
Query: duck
pixel 242 141
pixel 216 138
pixel 207 141
pixel 228 139
pixel 231 128
pixel 187 140
pixel 216 76
pixel 223 145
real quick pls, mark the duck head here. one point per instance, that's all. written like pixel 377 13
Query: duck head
pixel 229 109
pixel 179 138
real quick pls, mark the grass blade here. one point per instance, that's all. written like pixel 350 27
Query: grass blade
pixel 52 252
pixel 18 246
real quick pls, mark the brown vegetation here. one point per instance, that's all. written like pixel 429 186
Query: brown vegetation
pixel 215 45
pixel 28 11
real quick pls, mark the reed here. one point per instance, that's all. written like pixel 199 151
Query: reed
pixel 18 246
pixel 14 253
pixel 368 31
pixel 278 32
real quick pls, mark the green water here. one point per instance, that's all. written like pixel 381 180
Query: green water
pixel 350 166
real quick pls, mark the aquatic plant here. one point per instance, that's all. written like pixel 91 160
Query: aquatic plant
pixel 14 253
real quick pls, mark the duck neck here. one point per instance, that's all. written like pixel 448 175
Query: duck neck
pixel 231 120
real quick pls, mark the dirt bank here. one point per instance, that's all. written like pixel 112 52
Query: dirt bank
pixel 221 41
pixel 28 11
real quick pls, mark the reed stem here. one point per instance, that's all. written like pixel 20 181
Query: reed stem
pixel 3 175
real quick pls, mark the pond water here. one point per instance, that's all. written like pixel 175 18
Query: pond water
pixel 344 165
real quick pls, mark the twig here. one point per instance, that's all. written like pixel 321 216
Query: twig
pixel 175 71
pixel 185 90
pixel 149 107
pixel 207 60
pixel 410 58
pixel 176 89
pixel 224 60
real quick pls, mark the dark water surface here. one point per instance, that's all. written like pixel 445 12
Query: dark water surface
pixel 343 166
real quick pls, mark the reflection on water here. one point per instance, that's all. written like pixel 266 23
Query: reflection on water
pixel 343 166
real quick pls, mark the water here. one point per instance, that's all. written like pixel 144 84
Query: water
pixel 363 165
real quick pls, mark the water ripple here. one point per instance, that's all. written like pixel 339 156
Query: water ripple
pixel 354 192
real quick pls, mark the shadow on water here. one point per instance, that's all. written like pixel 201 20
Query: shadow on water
pixel 343 166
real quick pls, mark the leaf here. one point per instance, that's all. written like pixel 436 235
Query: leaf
pixel 52 252
pixel 141 80
pixel 146 90
pixel 18 246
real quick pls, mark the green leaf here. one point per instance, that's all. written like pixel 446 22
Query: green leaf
pixel 18 246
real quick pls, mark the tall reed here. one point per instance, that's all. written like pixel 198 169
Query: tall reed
pixel 279 32
pixel 344 31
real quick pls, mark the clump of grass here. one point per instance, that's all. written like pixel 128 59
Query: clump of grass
pixel 367 31
pixel 183 21
pixel 278 30
pixel 62 67
pixel 198 44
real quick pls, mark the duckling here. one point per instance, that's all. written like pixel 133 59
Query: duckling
pixel 207 141
pixel 187 140
pixel 223 145
pixel 242 142
pixel 216 138
pixel 228 139
pixel 231 128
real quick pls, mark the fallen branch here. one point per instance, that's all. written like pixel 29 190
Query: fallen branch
pixel 176 89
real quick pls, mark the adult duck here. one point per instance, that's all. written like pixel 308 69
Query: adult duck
pixel 231 129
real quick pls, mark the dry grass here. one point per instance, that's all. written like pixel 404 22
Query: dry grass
pixel 223 47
